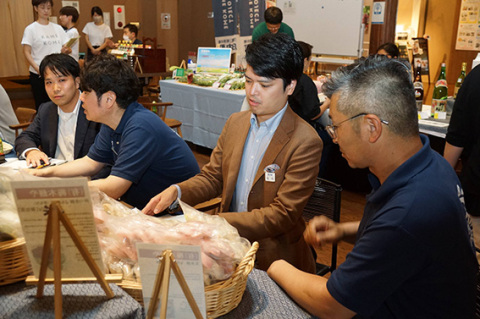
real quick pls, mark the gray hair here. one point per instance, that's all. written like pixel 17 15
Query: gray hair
pixel 377 85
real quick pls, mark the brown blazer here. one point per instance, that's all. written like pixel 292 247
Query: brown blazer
pixel 275 208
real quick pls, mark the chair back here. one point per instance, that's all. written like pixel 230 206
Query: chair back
pixel 25 114
pixel 325 200
pixel 25 117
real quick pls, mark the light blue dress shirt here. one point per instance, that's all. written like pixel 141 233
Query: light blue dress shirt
pixel 258 139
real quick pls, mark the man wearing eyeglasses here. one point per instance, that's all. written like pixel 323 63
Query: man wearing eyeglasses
pixel 273 24
pixel 413 255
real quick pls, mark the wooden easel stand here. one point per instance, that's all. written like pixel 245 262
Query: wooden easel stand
pixel 55 216
pixel 162 282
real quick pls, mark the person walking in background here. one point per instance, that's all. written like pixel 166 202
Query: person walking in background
pixel 97 34
pixel 272 24
pixel 68 18
pixel 42 38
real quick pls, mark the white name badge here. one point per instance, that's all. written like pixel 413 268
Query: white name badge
pixel 270 177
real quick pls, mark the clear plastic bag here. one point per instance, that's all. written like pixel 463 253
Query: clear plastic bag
pixel 120 228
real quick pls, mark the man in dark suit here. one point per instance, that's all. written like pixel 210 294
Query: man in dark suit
pixel 60 129
pixel 266 160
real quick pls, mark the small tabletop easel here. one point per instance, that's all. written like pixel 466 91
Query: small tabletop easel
pixel 167 262
pixel 55 216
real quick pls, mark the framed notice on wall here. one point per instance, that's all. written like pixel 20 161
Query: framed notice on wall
pixel 468 33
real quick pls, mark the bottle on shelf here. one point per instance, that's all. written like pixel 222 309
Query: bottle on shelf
pixel 460 79
pixel 440 93
pixel 418 86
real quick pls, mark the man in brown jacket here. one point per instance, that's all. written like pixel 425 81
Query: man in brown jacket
pixel 266 160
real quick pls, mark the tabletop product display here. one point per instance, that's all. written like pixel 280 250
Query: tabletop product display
pixel 434 127
pixel 79 301
pixel 203 111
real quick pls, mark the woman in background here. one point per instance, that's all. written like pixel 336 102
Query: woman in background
pixel 40 39
pixel 389 49
pixel 97 34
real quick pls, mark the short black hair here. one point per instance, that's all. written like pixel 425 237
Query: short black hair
pixel 306 49
pixel 276 56
pixel 70 11
pixel 36 3
pixel 132 28
pixel 391 49
pixel 97 10
pixel 273 15
pixel 106 73
pixel 60 63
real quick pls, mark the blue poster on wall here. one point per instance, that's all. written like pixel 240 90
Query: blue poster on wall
pixel 251 14
pixel 225 17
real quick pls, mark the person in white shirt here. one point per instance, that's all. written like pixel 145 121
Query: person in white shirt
pixel 60 128
pixel 68 18
pixel 41 38
pixel 7 116
pixel 97 34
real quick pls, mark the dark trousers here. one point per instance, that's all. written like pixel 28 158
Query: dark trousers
pixel 327 147
pixel 38 90
pixel 472 204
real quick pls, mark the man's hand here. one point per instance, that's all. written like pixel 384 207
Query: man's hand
pixel 160 202
pixel 43 172
pixel 321 230
pixel 34 158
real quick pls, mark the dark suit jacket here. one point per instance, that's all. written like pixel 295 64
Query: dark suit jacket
pixel 42 133
pixel 275 208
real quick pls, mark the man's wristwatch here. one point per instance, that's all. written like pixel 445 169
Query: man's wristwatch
pixel 174 207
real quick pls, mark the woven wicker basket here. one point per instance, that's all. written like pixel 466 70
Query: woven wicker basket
pixel 221 297
pixel 14 263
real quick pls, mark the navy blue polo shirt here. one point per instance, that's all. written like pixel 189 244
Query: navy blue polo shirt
pixel 414 256
pixel 145 151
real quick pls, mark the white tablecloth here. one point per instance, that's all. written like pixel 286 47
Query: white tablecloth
pixel 203 111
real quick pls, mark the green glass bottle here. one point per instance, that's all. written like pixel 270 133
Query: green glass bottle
pixel 460 79
pixel 440 93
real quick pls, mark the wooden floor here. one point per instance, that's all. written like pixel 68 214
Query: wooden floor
pixel 351 210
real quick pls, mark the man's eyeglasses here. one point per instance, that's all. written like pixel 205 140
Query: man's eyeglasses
pixel 332 129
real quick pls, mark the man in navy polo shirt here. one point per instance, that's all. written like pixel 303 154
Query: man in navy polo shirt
pixel 145 154
pixel 413 255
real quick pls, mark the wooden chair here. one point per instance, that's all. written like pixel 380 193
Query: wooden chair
pixel 25 117
pixel 160 108
pixel 325 200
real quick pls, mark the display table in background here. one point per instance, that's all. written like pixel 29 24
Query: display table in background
pixel 79 301
pixel 434 127
pixel 203 111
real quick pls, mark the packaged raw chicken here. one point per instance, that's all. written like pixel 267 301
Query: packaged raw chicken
pixel 120 228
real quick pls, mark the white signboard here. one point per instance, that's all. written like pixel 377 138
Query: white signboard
pixel 190 262
pixel 33 198
pixel 378 16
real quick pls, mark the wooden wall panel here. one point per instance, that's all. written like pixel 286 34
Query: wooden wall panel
pixel 385 32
